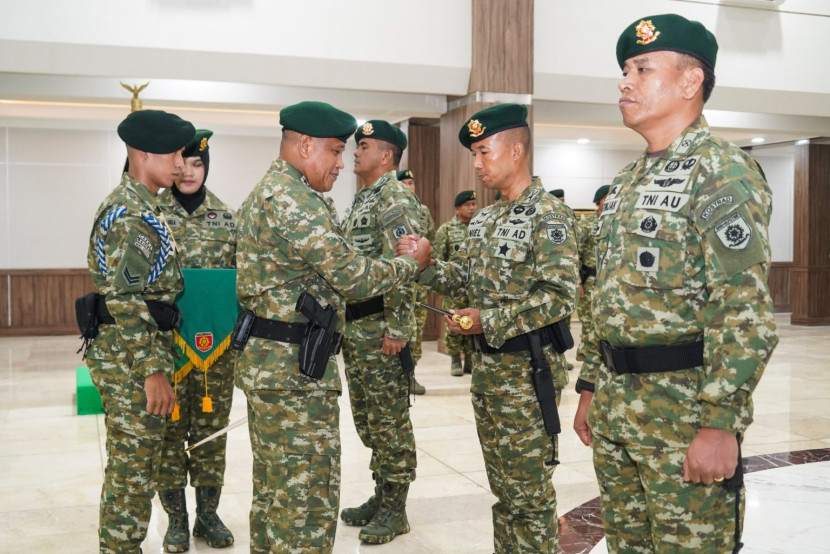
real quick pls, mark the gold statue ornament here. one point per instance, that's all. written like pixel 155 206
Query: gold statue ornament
pixel 135 103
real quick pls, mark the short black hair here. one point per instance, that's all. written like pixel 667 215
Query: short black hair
pixel 687 60
pixel 397 151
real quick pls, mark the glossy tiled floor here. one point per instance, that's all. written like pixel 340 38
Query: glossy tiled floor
pixel 51 461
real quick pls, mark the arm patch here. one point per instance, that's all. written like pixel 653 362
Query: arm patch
pixel 735 241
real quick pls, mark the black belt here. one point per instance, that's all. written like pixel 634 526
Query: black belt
pixel 556 333
pixel 652 359
pixel 166 316
pixel 281 331
pixel 362 309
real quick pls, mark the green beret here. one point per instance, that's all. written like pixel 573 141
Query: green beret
pixel 381 130
pixel 558 193
pixel 155 131
pixel 405 174
pixel 318 119
pixel 667 32
pixel 198 144
pixel 490 121
pixel 465 196
pixel 601 191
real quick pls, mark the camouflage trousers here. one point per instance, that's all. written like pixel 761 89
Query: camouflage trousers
pixel 421 294
pixel 206 464
pixel 515 448
pixel 379 395
pixel 455 343
pixel 648 508
pixel 134 444
pixel 583 311
pixel 295 439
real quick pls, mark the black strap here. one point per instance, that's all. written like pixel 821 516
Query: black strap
pixel 557 334
pixel 368 307
pixel 585 272
pixel 652 359
pixel 278 330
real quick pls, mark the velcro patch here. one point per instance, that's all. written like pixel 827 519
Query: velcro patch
pixel 668 201
pixel 734 232
pixel 512 232
pixel 362 240
pixel 610 206
pixel 391 215
pixel 143 244
pixel 648 224
pixel 557 233
pixel 398 231
pixel 648 259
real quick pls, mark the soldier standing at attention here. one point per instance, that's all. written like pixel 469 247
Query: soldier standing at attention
pixel 377 332
pixel 587 228
pixel 426 228
pixel 449 238
pixel 205 233
pixel 518 269
pixel 683 318
pixel 289 243
pixel 133 265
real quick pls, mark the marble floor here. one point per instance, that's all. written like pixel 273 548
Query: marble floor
pixel 51 460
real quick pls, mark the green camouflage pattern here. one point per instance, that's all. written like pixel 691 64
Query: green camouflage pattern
pixel 683 255
pixel 449 238
pixel 586 229
pixel 378 387
pixel 296 470
pixel 518 266
pixel 207 240
pixel 289 242
pixel 426 228
pixel 122 356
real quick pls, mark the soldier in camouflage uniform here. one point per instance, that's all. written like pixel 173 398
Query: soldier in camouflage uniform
pixel 587 228
pixel 289 243
pixel 518 270
pixel 377 332
pixel 205 232
pixel 426 228
pixel 449 239
pixel 683 317
pixel 131 261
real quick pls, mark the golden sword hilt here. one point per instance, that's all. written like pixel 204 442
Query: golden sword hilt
pixel 463 321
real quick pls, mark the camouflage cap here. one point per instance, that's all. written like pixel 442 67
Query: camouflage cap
pixel 379 129
pixel 198 144
pixel 558 193
pixel 318 119
pixel 405 174
pixel 601 191
pixel 155 131
pixel 465 196
pixel 492 120
pixel 667 32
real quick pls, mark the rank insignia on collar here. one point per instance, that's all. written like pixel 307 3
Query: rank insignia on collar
pixel 368 129
pixel 646 32
pixel 203 145
pixel 476 128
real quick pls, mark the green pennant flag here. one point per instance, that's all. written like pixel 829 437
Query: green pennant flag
pixel 209 311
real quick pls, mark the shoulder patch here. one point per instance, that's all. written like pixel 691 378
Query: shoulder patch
pixel 734 232
pixel 143 244
pixel 390 215
pixel 557 232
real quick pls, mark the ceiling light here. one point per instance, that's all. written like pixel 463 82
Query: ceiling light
pixel 802 141
pixel 582 141
pixel 757 140
pixel 360 122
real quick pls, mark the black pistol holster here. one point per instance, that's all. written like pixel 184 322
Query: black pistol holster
pixel 321 339
pixel 542 378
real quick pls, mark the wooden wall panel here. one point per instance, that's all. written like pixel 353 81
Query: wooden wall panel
pixel 43 300
pixel 780 286
pixel 4 301
pixel 502 46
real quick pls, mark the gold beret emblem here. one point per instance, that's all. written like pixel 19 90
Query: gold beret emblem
pixel 646 32
pixel 203 145
pixel 476 128
pixel 473 196
pixel 368 129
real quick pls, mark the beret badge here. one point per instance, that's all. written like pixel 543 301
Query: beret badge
pixel 203 145
pixel 646 32
pixel 368 129
pixel 476 128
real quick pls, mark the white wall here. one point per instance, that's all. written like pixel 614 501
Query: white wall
pixel 779 167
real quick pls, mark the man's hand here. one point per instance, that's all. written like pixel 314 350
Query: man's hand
pixel 406 245
pixel 392 347
pixel 581 291
pixel 473 314
pixel 712 456
pixel 418 248
pixel 581 418
pixel 160 396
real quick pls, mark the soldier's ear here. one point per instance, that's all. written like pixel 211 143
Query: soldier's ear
pixel 692 82
pixel 518 150
pixel 305 146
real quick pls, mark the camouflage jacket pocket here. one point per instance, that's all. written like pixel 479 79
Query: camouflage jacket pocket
pixel 653 253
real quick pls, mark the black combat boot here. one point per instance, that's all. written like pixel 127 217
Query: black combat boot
pixel 468 363
pixel 390 520
pixel 177 537
pixel 363 514
pixel 208 525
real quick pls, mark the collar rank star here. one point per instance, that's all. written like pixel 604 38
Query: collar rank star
pixel 646 32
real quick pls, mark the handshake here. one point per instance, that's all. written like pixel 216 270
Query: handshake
pixel 415 247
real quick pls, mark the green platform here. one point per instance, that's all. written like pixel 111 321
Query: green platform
pixel 88 399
